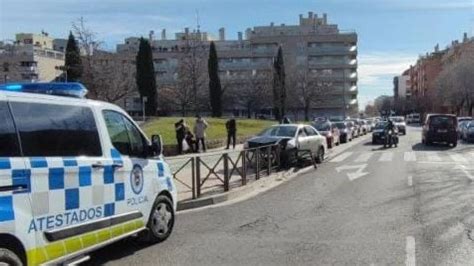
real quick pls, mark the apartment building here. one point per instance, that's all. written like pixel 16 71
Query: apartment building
pixel 30 58
pixel 325 54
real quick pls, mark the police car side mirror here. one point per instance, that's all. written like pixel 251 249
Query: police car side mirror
pixel 157 144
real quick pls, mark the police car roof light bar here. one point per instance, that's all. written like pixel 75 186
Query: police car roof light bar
pixel 70 89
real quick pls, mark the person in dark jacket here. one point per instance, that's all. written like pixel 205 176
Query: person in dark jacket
pixel 286 120
pixel 231 127
pixel 180 128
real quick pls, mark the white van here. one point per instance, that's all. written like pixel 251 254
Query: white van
pixel 75 175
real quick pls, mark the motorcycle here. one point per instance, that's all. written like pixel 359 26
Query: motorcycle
pixel 391 138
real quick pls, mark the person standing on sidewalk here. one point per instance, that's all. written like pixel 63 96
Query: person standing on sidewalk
pixel 231 131
pixel 200 132
pixel 180 128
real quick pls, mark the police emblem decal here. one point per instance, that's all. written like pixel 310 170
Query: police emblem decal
pixel 136 179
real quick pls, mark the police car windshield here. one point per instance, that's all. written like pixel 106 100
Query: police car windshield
pixel 279 131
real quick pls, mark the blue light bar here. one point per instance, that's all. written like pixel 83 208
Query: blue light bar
pixel 70 89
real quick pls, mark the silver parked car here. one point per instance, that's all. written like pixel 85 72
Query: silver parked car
pixel 292 137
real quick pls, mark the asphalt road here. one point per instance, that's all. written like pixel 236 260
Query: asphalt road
pixel 368 206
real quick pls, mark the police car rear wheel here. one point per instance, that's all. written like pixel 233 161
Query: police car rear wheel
pixel 161 220
pixel 8 257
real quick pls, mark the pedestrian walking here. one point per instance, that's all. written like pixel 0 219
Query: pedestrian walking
pixel 200 133
pixel 180 128
pixel 231 127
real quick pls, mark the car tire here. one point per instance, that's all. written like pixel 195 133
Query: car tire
pixel 9 257
pixel 320 156
pixel 455 144
pixel 373 141
pixel 161 221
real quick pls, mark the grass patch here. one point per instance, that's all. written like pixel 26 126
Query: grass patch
pixel 216 130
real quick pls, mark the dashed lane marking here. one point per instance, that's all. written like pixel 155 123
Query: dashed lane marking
pixel 411 252
pixel 410 180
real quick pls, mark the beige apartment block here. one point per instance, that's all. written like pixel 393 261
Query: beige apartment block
pixel 313 46
pixel 30 58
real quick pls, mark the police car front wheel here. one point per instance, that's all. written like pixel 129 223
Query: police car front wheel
pixel 8 257
pixel 161 222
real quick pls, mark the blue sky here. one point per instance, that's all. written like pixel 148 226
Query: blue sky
pixel 392 33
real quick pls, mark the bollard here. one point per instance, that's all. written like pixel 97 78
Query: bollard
pixel 226 171
pixel 269 160
pixel 193 176
pixel 257 172
pixel 244 168
pixel 198 176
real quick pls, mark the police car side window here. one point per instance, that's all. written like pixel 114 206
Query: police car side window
pixel 8 138
pixel 49 130
pixel 123 134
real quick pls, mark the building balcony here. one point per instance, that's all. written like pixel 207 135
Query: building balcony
pixel 244 65
pixel 336 50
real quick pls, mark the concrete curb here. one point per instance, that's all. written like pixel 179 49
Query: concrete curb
pixel 253 188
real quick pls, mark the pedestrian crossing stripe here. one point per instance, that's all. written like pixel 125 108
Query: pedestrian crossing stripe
pixel 363 157
pixel 409 156
pixel 342 157
pixel 386 157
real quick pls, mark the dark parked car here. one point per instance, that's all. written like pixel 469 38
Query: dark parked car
pixel 440 128
pixel 345 131
pixel 330 131
pixel 468 132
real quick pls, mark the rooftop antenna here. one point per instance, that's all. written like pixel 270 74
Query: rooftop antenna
pixel 197 21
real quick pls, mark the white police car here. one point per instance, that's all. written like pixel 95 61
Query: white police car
pixel 75 175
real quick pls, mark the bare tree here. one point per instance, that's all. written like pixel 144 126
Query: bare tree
pixel 116 80
pixel 192 72
pixel 254 93
pixel 108 76
pixel 309 89
pixel 455 85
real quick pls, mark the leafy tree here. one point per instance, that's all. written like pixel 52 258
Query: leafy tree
pixel 73 63
pixel 146 82
pixel 279 90
pixel 215 89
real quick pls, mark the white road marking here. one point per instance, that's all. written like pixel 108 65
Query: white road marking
pixel 386 157
pixel 409 156
pixel 466 171
pixel 458 158
pixel 411 252
pixel 363 157
pixel 410 180
pixel 353 175
pixel 341 157
pixel 433 157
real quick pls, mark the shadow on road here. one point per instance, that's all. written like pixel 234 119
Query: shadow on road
pixel 117 251
pixel 432 147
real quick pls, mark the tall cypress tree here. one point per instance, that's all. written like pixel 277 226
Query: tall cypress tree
pixel 215 89
pixel 145 76
pixel 279 89
pixel 73 62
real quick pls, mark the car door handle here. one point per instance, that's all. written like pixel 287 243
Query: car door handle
pixel 101 165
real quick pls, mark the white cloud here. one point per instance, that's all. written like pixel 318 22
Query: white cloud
pixel 376 71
